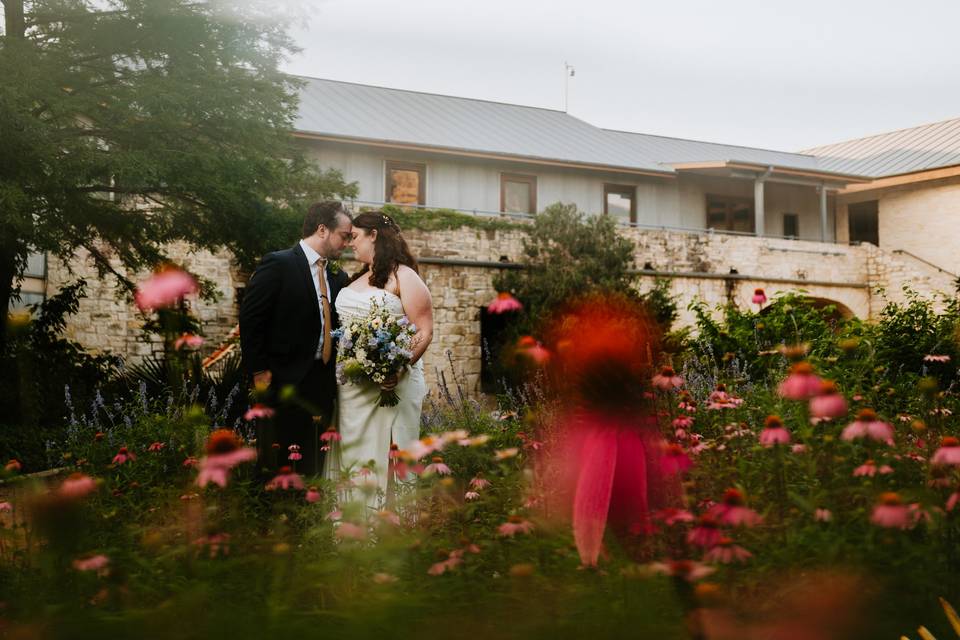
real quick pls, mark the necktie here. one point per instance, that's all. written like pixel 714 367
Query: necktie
pixel 325 309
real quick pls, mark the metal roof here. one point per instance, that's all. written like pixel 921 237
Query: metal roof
pixel 377 114
pixel 904 151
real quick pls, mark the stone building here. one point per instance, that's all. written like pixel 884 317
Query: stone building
pixel 838 222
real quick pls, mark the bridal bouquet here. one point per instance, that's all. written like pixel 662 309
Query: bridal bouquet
pixel 373 347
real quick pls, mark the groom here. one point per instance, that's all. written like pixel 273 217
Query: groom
pixel 286 318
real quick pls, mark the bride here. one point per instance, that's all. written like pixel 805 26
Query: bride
pixel 390 277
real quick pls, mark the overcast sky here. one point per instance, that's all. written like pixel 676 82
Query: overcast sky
pixel 773 74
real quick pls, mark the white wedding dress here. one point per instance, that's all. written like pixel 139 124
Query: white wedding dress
pixel 366 429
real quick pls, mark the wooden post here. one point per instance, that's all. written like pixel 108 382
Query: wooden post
pixel 823 213
pixel 758 206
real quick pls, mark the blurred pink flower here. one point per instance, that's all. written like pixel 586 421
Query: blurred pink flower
pixel 351 531
pixel 706 533
pixel 164 289
pixel 952 500
pixel 286 478
pixel 774 432
pixel 224 452
pixel 331 435
pixel 187 340
pixel 726 552
pixel 868 425
pixel 801 384
pixel 759 297
pixel 936 358
pixel 828 403
pixel 190 461
pixel 156 447
pixel 437 466
pixel 6 506
pixel 258 411
pixel 683 422
pixel 504 303
pixel 397 461
pixel 294 454
pixel 471 495
pixel 123 456
pixel 77 485
pixel 799 448
pixel 870 469
pixel 667 379
pixel 732 510
pixel 13 466
pixel 503 454
pixel 479 482
pixel 948 453
pixel 425 446
pixel 313 495
pixel 890 512
pixel 514 525
pixel 529 347
pixel 389 517
pixel 674 460
pixel 720 399
pixel 822 515
pixel 96 563
pixel 686 569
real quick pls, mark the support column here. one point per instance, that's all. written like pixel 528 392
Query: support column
pixel 758 206
pixel 823 213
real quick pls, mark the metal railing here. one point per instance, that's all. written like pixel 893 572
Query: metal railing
pixel 904 252
pixel 481 213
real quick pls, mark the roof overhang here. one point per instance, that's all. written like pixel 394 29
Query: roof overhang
pixel 905 179
pixel 769 173
pixel 489 155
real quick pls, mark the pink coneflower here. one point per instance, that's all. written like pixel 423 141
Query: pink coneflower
pixel 286 478
pixel 6 506
pixel 164 289
pixel 674 460
pixel 732 510
pixel 77 485
pixel 479 482
pixel 258 411
pixel 124 456
pixel 801 384
pixel 822 515
pixel 389 517
pixel 726 552
pixel 190 461
pixel 667 379
pixel 13 466
pixel 870 469
pixel 890 512
pixel 424 446
pixel 96 563
pixel 224 452
pixel 398 461
pixel 682 422
pixel 188 340
pixel 868 425
pixel 936 358
pixel 774 432
pixel 350 531
pixel 504 303
pixel 828 403
pixel 471 495
pixel 331 435
pixel 515 525
pixel 313 495
pixel 952 500
pixel 720 399
pixel 759 296
pixel 294 454
pixel 671 516
pixel 528 347
pixel 156 447
pixel 799 448
pixel 437 466
pixel 948 453
pixel 685 569
pixel 706 533
pixel 454 559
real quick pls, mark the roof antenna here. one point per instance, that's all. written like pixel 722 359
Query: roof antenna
pixel 568 72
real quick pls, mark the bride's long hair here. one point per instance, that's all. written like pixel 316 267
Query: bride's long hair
pixel 390 250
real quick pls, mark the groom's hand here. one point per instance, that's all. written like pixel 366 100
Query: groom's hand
pixel 390 382
pixel 262 380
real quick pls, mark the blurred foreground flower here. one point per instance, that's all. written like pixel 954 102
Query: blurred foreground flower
pixel 286 478
pixel 802 383
pixel 948 453
pixel 759 297
pixel 187 340
pixel 529 348
pixel 77 485
pixel 684 569
pixel 164 289
pixel 732 510
pixel 96 563
pixel 504 303
pixel 667 379
pixel 258 411
pixel 774 432
pixel 515 525
pixel 828 403
pixel 890 512
pixel 224 452
pixel 868 425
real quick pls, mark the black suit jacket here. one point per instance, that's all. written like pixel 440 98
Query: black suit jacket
pixel 280 316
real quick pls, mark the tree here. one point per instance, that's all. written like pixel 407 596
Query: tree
pixel 127 125
pixel 569 254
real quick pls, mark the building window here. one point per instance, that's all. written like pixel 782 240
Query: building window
pixel 518 194
pixel 730 213
pixel 33 285
pixel 791 225
pixel 863 222
pixel 620 201
pixel 406 183
pixel 36 266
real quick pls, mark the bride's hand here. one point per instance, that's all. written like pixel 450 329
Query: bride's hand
pixel 390 382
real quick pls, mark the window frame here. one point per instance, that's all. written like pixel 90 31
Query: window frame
pixel 729 200
pixel 520 178
pixel 621 189
pixel 860 210
pixel 796 218
pixel 404 165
